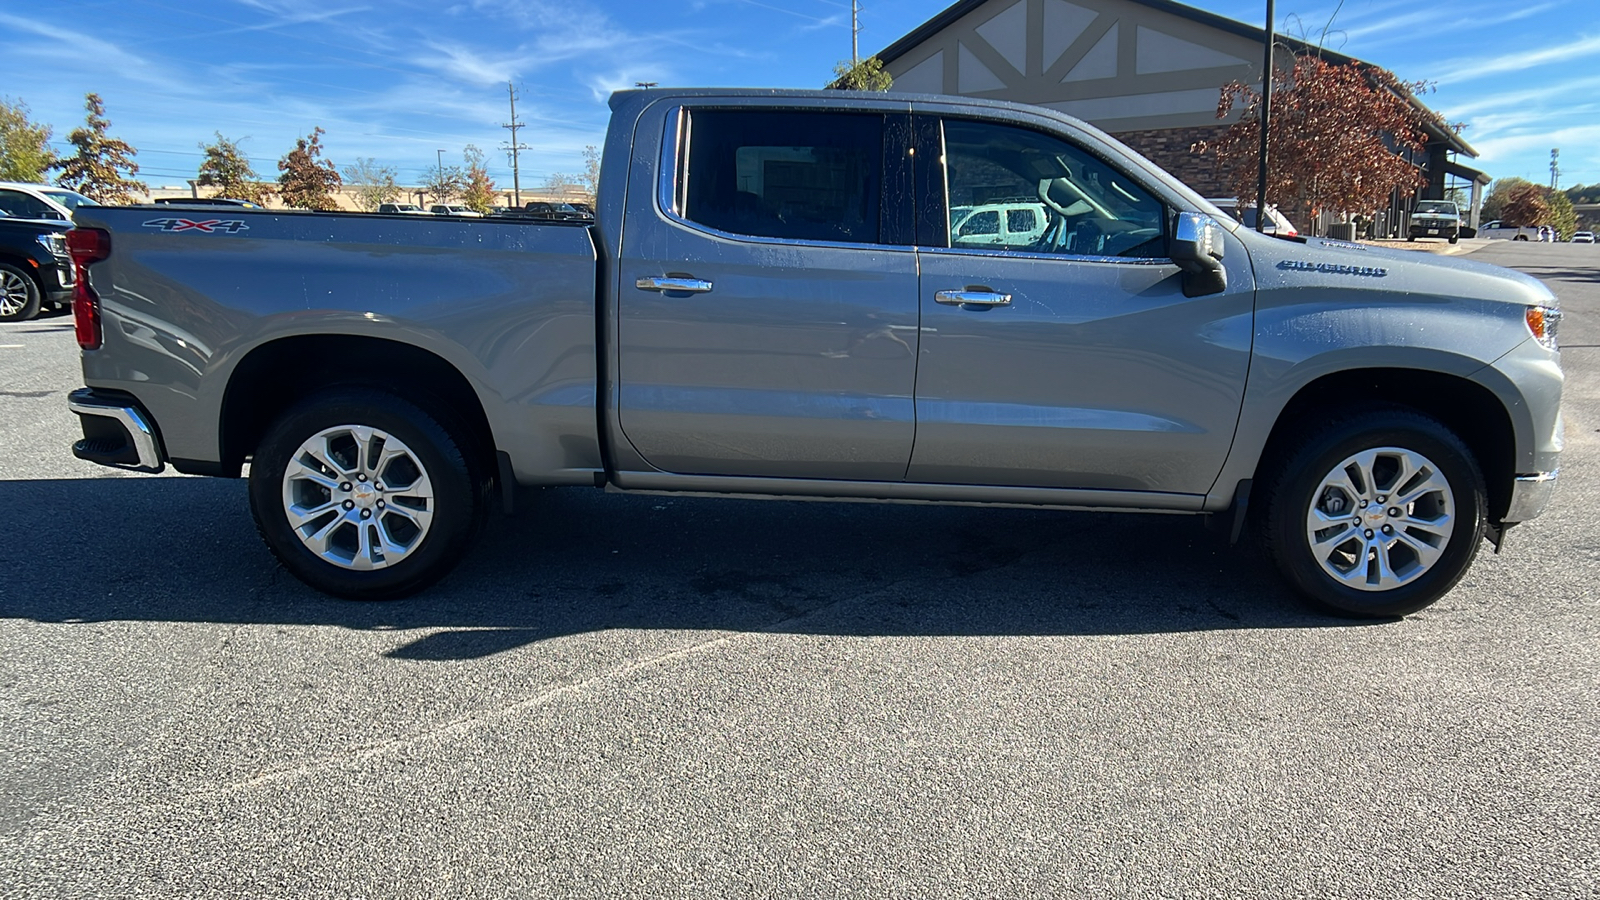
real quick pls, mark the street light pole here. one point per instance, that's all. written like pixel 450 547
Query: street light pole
pixel 1266 121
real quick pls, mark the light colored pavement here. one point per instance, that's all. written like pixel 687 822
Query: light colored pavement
pixel 649 697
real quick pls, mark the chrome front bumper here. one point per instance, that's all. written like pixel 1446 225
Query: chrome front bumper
pixel 132 446
pixel 1530 494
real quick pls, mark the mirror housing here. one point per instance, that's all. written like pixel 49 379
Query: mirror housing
pixel 1197 249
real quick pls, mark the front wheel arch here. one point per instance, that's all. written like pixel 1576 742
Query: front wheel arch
pixel 1469 409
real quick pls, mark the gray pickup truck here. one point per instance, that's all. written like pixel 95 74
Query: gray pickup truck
pixel 770 304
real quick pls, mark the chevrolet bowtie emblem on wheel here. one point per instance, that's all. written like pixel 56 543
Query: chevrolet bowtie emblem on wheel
pixel 209 226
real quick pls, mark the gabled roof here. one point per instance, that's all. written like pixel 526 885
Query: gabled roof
pixel 1211 20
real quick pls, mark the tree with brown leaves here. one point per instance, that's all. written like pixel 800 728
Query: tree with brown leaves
pixel 1525 204
pixel 96 169
pixel 308 182
pixel 1337 140
pixel 477 190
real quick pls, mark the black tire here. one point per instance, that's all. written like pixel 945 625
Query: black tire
pixel 12 281
pixel 460 492
pixel 1455 238
pixel 1411 237
pixel 1520 237
pixel 1293 484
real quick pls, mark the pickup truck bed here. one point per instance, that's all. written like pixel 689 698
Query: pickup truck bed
pixel 772 302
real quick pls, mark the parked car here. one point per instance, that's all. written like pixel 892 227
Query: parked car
pixel 41 202
pixel 1497 230
pixel 772 304
pixel 405 209
pixel 1019 223
pixel 454 209
pixel 35 268
pixel 208 201
pixel 1277 222
pixel 540 209
pixel 1583 237
pixel 1435 218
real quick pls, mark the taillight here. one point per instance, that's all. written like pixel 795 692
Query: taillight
pixel 87 246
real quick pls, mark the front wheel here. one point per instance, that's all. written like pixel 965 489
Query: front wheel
pixel 363 495
pixel 1377 514
pixel 1454 238
pixel 19 295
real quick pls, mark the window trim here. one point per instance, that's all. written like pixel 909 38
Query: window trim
pixel 672 180
pixel 933 191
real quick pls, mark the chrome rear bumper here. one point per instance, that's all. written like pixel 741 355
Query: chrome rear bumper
pixel 116 432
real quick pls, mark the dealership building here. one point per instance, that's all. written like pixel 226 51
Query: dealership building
pixel 1149 72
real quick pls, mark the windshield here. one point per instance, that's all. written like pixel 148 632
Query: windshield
pixel 70 199
pixel 1443 207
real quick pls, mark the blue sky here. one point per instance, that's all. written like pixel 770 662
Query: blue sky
pixel 398 80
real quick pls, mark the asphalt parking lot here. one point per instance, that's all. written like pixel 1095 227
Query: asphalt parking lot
pixel 657 697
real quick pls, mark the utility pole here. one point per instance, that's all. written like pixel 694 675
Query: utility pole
pixel 1555 168
pixel 855 32
pixel 1266 122
pixel 514 148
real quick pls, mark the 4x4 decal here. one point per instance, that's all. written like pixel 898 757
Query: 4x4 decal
pixel 209 226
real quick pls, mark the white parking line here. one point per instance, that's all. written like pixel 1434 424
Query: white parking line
pixel 12 346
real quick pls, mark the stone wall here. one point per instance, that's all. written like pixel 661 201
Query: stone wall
pixel 1169 148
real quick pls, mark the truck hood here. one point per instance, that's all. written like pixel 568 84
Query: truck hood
pixel 1367 270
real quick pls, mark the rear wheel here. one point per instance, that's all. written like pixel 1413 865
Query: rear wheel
pixel 1377 514
pixel 19 295
pixel 363 495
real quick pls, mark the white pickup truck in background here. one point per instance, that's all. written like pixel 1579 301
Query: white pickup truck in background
pixel 1498 231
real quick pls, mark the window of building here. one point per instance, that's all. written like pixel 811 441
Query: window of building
pixel 793 174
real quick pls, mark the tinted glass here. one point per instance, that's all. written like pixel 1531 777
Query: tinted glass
pixel 24 206
pixel 798 175
pixel 70 199
pixel 1086 207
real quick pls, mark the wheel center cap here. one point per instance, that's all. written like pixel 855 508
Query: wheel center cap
pixel 363 493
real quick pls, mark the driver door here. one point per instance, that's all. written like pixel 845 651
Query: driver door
pixel 1067 357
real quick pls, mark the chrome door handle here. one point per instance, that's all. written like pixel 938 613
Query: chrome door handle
pixel 972 298
pixel 686 285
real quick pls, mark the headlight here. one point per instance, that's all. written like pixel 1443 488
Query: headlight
pixel 1542 322
pixel 56 243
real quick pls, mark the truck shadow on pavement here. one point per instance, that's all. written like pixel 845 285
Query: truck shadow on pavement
pixel 571 561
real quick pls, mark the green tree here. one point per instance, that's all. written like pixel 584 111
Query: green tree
pixel 25 153
pixel 227 169
pixel 307 181
pixel 372 184
pixel 478 189
pixel 96 168
pixel 1563 218
pixel 866 75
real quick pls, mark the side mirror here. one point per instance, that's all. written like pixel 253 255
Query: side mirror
pixel 1197 249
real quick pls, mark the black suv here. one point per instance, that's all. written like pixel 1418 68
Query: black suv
pixel 35 269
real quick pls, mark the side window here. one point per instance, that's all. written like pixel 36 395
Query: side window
pixel 1056 197
pixel 980 224
pixel 799 175
pixel 16 203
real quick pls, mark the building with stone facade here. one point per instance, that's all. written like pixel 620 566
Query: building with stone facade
pixel 1149 72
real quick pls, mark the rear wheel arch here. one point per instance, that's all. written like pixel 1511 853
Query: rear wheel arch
pixel 1469 409
pixel 276 375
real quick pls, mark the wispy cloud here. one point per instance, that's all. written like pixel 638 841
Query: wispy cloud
pixel 1520 61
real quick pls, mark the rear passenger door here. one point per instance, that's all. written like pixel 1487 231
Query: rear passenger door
pixel 767 311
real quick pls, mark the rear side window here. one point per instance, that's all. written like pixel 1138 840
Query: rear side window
pixel 24 206
pixel 797 175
